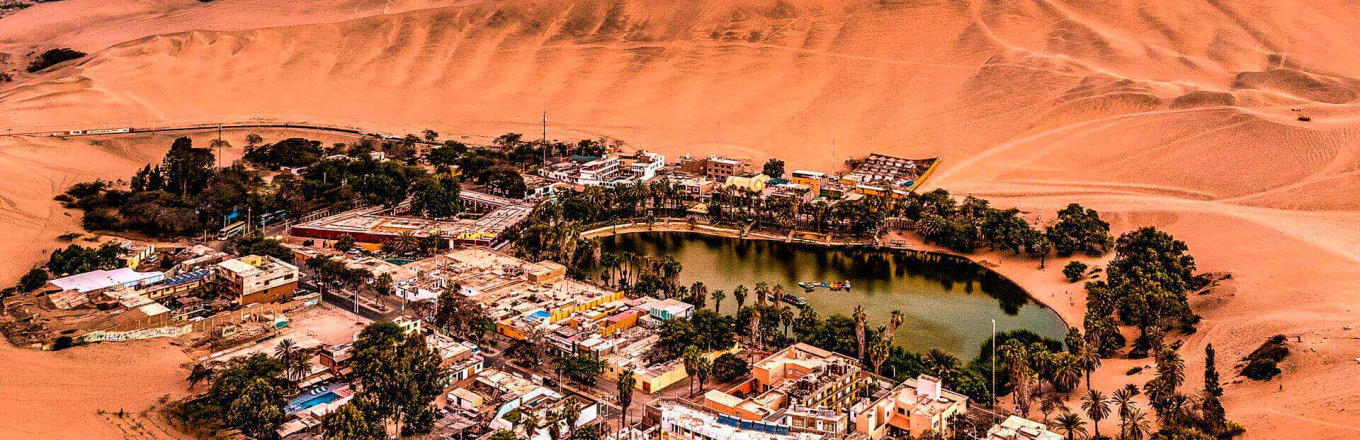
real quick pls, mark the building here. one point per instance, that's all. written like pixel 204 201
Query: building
pixel 258 279
pixel 803 387
pixel 75 290
pixel 136 254
pixel 1017 428
pixel 642 165
pixel 460 360
pixel 518 295
pixel 912 407
pixel 336 358
pixel 812 179
pixel 599 172
pixel 888 176
pixel 714 167
pixel 667 309
pixel 755 183
pixel 518 398
pixel 372 225
pixel 682 422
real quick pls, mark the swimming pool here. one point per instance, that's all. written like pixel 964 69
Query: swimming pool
pixel 306 401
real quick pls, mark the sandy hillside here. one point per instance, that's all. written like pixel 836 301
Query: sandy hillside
pixel 59 395
pixel 1169 113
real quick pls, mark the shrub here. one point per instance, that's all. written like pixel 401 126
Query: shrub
pixel 1074 271
pixel 729 367
pixel 1262 362
pixel 34 279
pixel 53 57
pixel 1261 369
pixel 63 343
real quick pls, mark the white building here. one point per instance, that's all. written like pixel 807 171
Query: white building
pixel 1017 428
pixel 599 172
pixel 685 423
pixel 644 165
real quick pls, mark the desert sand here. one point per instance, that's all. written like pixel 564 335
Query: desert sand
pixel 1155 112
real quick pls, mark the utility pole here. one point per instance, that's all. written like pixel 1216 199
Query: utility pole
pixel 219 145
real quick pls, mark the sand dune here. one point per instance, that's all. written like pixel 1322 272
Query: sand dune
pixel 1174 114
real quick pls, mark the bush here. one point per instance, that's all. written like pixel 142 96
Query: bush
pixel 729 367
pixel 34 279
pixel 63 343
pixel 53 57
pixel 1074 271
pixel 1262 362
pixel 1261 369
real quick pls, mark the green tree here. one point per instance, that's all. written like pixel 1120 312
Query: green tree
pixel 187 169
pixel 398 372
pixel 730 367
pixel 1074 271
pixel 773 168
pixel 718 296
pixel 344 243
pixel 351 422
pixel 1211 409
pixel 942 365
pixel 460 316
pixel 500 435
pixel 436 196
pixel 1080 230
pixel 32 280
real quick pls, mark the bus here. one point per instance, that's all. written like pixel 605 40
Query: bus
pixel 231 230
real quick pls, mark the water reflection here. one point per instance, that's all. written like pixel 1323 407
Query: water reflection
pixel 949 302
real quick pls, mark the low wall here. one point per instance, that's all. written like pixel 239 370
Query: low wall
pixel 211 322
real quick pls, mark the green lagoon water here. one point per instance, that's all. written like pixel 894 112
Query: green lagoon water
pixel 948 305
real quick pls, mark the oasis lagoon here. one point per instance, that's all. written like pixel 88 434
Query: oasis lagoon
pixel 949 302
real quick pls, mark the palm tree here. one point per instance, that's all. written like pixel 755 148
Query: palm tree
pixel 201 372
pixel 1071 425
pixel 691 359
pixel 786 318
pixel 624 386
pixel 762 290
pixel 702 368
pixel 943 365
pixel 878 353
pixel 1089 360
pixel 1124 405
pixel 740 295
pixel 1066 371
pixel 405 243
pixel 718 297
pixel 1096 408
pixel 860 319
pixel 1135 426
pixel 284 350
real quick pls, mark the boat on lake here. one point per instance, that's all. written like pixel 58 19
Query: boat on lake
pixel 794 299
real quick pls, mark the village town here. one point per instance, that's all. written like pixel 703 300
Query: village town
pixel 224 305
